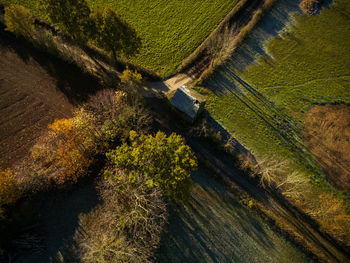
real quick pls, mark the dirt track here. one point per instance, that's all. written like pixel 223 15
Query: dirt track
pixel 224 170
pixel 35 89
pixel 205 55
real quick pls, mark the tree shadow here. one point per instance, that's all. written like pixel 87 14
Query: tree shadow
pixel 215 227
pixel 53 217
pixel 272 23
pixel 227 83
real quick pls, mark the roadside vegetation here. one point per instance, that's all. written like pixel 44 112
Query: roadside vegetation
pixel 170 30
pixel 264 107
pixel 224 41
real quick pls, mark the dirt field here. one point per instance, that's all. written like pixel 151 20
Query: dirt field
pixel 35 89
pixel 327 135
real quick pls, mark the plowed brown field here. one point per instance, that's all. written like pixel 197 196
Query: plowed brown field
pixel 327 135
pixel 35 89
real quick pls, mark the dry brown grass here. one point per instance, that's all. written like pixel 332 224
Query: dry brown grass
pixel 327 135
pixel 325 208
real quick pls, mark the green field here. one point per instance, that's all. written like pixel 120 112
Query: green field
pixel 264 105
pixel 170 30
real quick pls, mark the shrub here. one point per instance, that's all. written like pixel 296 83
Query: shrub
pixel 116 113
pixel 310 7
pixel 107 104
pixel 163 161
pixel 19 21
pixel 132 79
pixel 68 149
pixel 332 216
pixel 10 190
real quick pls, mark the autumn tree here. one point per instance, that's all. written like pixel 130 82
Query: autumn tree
pixel 19 21
pixel 69 148
pixel 71 17
pixel 332 216
pixel 132 79
pixel 74 146
pixel 9 187
pixel 113 34
pixel 165 162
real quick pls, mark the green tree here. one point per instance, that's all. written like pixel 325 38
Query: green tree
pixel 165 162
pixel 132 79
pixel 71 17
pixel 19 21
pixel 113 34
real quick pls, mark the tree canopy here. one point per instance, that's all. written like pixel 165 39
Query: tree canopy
pixel 165 161
pixel 70 16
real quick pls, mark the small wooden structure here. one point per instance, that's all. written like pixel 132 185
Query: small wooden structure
pixel 188 102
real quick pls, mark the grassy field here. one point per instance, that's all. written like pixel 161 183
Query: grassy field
pixel 170 30
pixel 308 64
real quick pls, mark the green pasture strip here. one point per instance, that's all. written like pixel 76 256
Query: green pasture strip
pixel 170 30
pixel 308 64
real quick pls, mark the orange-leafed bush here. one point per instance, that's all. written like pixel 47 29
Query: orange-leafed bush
pixel 310 7
pixel 68 150
pixel 72 149
pixel 10 191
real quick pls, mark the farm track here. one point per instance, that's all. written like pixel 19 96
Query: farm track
pixel 35 89
pixel 306 82
pixel 230 176
pixel 203 61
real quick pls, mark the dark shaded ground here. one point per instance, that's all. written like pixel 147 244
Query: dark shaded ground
pixel 35 89
pixel 50 219
pixel 215 227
